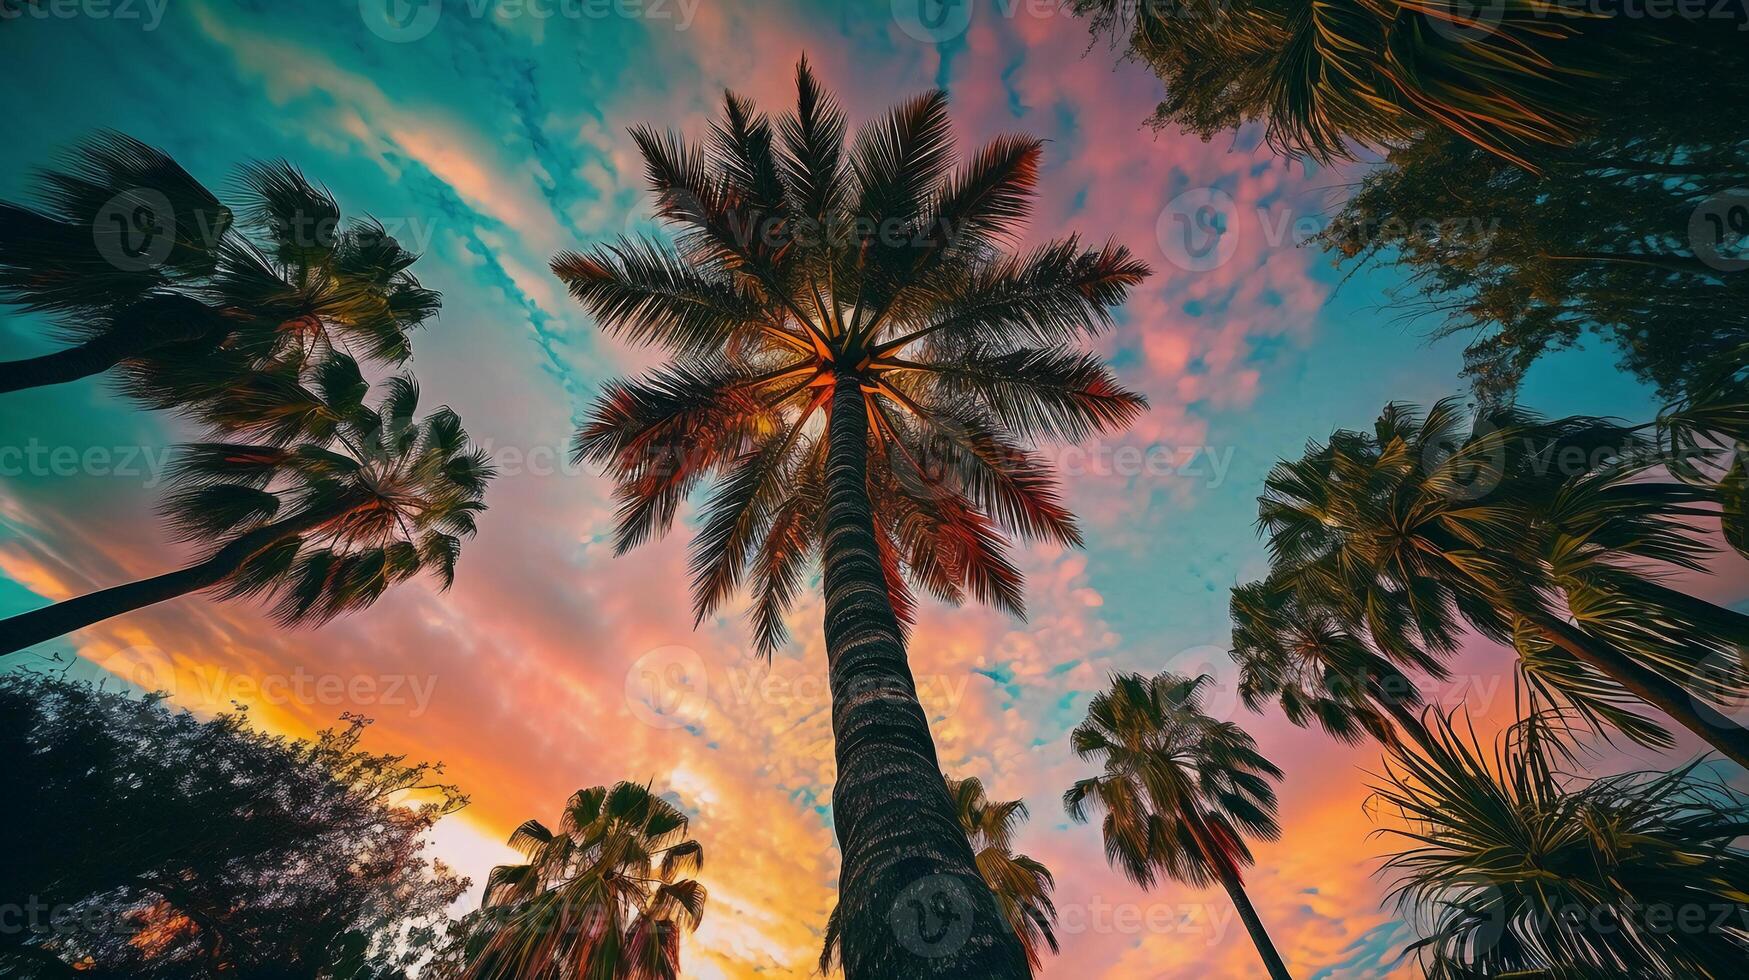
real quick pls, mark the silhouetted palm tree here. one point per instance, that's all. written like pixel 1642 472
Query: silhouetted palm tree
pixel 861 367
pixel 322 527
pixel 1705 438
pixel 149 275
pixel 1419 525
pixel 1180 790
pixel 1022 886
pixel 603 898
pixel 1523 79
pixel 1513 869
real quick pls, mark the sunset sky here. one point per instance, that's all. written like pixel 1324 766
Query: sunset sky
pixel 489 134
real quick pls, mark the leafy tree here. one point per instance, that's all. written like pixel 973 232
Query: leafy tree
pixel 1513 868
pixel 322 526
pixel 1022 886
pixel 148 843
pixel 603 898
pixel 1613 247
pixel 1549 171
pixel 148 275
pixel 1180 790
pixel 1519 78
pixel 861 367
pixel 1543 536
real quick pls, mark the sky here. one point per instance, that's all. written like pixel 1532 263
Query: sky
pixel 489 134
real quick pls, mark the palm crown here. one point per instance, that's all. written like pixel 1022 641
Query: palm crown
pixel 146 271
pixel 1517 869
pixel 1180 790
pixel 381 500
pixel 1407 531
pixel 602 898
pixel 1316 667
pixel 800 261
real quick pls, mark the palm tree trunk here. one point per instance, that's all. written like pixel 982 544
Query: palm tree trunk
pixel 914 904
pixel 1680 704
pixel 1253 925
pixel 1733 624
pixel 137 330
pixel 30 628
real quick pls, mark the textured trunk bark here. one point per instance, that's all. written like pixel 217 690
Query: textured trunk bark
pixel 1253 925
pixel 30 628
pixel 138 330
pixel 1673 699
pixel 913 903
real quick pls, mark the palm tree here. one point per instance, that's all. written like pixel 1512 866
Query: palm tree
pixel 601 899
pixel 862 368
pixel 1705 437
pixel 1518 870
pixel 1180 790
pixel 1318 668
pixel 1022 886
pixel 1415 526
pixel 1522 79
pixel 149 276
pixel 323 527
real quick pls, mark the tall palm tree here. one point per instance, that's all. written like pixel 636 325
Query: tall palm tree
pixel 1022 886
pixel 862 368
pixel 151 277
pixel 1515 869
pixel 1181 791
pixel 322 527
pixel 603 898
pixel 1311 661
pixel 1416 526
